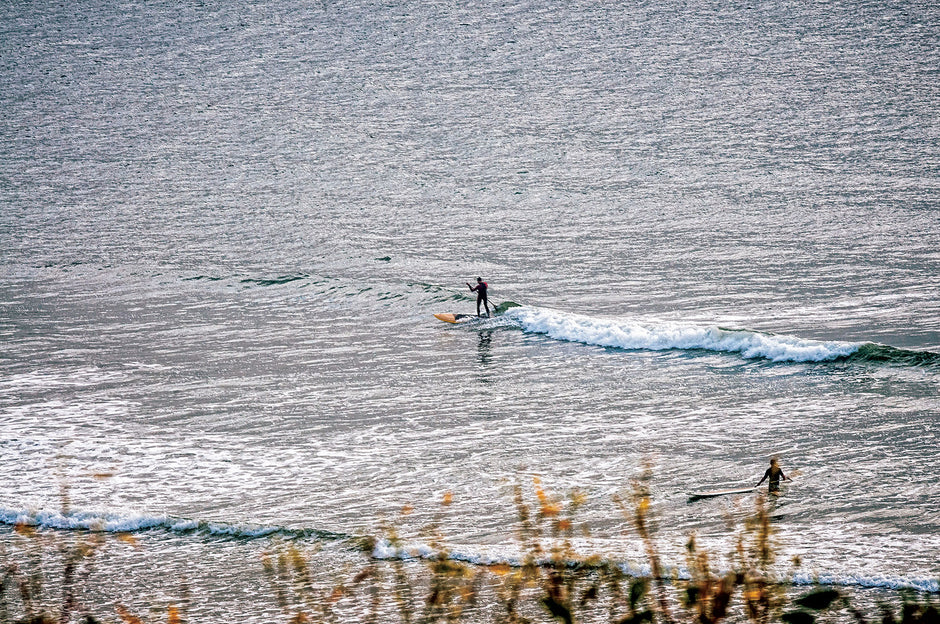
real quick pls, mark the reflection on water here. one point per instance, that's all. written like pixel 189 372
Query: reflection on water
pixel 485 355
pixel 484 347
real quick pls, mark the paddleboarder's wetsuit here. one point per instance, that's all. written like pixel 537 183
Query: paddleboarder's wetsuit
pixel 775 474
pixel 480 290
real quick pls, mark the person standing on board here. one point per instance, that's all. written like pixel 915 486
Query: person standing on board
pixel 480 290
pixel 775 474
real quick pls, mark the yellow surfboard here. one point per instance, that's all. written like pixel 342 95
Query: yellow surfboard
pixel 452 318
pixel 449 317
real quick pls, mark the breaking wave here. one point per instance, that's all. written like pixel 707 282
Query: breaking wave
pixel 381 549
pixel 664 335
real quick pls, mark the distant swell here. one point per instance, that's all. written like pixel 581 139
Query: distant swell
pixel 661 336
pixel 275 281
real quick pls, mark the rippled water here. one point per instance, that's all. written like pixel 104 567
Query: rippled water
pixel 224 231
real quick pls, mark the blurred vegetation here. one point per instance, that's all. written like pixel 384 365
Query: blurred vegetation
pixel 552 582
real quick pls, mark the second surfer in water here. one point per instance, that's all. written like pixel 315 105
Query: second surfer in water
pixel 774 474
pixel 480 290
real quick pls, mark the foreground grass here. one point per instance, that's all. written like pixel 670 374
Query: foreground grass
pixel 551 583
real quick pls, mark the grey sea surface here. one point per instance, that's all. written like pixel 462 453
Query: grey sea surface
pixel 225 227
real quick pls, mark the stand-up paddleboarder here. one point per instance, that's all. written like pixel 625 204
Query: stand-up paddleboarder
pixel 480 290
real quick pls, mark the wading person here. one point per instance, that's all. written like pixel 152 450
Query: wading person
pixel 774 474
pixel 480 290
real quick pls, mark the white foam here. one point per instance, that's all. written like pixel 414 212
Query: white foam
pixel 386 550
pixel 117 523
pixel 81 520
pixel 861 580
pixel 664 335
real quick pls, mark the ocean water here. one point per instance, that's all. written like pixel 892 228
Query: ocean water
pixel 225 228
